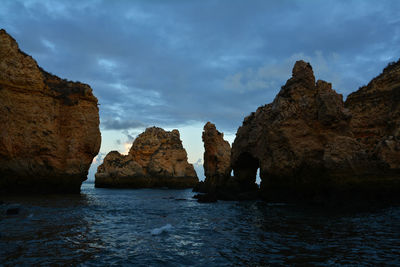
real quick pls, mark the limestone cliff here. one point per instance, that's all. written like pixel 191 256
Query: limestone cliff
pixel 308 144
pixel 156 159
pixel 49 131
pixel 375 110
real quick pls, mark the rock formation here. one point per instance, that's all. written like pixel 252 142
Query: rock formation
pixel 310 145
pixel 156 159
pixel 375 110
pixel 217 159
pixel 49 131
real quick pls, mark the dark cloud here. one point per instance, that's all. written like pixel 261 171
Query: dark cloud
pixel 117 124
pixel 170 63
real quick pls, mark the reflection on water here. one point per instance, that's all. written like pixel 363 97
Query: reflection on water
pixel 47 229
pixel 167 227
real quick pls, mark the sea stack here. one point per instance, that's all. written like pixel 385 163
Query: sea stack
pixel 49 131
pixel 310 145
pixel 217 160
pixel 156 159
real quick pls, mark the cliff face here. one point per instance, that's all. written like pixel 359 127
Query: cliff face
pixel 156 159
pixel 376 116
pixel 49 131
pixel 309 144
pixel 217 159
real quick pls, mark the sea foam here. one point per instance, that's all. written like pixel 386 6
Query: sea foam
pixel 162 229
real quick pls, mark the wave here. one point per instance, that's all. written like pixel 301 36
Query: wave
pixel 158 231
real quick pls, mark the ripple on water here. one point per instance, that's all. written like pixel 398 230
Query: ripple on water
pixel 150 227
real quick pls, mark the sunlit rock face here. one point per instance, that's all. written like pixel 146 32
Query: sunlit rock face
pixel 156 159
pixel 310 145
pixel 217 159
pixel 49 130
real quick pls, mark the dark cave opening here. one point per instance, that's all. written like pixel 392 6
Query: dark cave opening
pixel 245 170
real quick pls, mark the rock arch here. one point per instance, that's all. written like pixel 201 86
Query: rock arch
pixel 245 170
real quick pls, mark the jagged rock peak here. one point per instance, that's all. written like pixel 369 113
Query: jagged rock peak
pixel 302 70
pixel 301 85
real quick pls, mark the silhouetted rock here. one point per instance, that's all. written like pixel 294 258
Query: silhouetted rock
pixel 206 198
pixel 200 187
pixel 310 146
pixel 156 159
pixel 12 211
pixel 49 131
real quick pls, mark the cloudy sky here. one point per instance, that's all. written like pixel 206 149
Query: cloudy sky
pixel 178 64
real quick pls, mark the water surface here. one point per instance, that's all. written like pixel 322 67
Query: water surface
pixel 150 227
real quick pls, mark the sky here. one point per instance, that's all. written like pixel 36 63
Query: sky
pixel 177 64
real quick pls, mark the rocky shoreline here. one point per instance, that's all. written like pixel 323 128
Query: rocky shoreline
pixel 308 144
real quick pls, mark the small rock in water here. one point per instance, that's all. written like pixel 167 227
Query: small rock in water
pixel 12 211
pixel 206 198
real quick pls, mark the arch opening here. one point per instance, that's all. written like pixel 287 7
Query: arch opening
pixel 246 170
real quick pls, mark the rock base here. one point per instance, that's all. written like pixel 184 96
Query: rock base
pixel 145 182
pixel 45 185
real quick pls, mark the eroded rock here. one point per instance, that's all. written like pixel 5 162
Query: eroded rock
pixel 217 159
pixel 49 131
pixel 309 145
pixel 375 110
pixel 156 159
pixel 206 198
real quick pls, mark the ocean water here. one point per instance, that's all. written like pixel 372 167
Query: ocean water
pixel 156 227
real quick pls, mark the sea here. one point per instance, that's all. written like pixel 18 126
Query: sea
pixel 161 227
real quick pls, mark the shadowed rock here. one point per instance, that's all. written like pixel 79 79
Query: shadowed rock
pixel 156 159
pixel 311 146
pixel 375 110
pixel 206 198
pixel 49 131
pixel 12 211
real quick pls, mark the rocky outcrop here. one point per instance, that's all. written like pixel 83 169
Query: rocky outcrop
pixel 49 131
pixel 217 159
pixel 156 159
pixel 309 145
